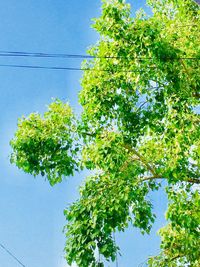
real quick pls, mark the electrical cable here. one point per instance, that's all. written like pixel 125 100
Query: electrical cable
pixel 13 256
pixel 116 261
pixel 42 55
pixel 79 56
pixel 66 68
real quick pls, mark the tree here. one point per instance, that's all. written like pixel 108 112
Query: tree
pixel 198 1
pixel 139 126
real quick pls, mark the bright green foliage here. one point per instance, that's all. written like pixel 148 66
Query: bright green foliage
pixel 140 96
pixel 46 145
pixel 180 238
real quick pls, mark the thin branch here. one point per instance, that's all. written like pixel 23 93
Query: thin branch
pixel 145 162
pixel 193 180
pixel 175 257
pixel 145 102
pixel 186 70
pixel 151 178
pixel 89 134
pixel 141 159
pixel 196 95
pixel 190 180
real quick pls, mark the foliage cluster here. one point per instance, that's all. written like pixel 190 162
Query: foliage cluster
pixel 140 125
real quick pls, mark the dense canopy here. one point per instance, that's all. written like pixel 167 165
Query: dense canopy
pixel 140 125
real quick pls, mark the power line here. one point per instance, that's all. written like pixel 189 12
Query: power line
pixel 40 67
pixel 67 68
pixel 2 246
pixel 116 256
pixel 42 55
pixel 197 2
pixel 74 68
pixel 80 56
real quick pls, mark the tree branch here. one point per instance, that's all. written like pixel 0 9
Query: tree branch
pixel 193 180
pixel 152 178
pixel 175 257
pixel 196 95
pixel 145 162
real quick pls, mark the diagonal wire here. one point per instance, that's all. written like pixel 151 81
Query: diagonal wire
pixel 117 264
pixel 78 56
pixel 67 68
pixel 43 55
pixel 39 67
pixel 13 256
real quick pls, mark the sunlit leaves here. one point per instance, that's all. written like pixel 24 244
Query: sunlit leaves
pixel 44 145
pixel 108 203
pixel 140 124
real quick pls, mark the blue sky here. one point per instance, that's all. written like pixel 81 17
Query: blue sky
pixel 31 212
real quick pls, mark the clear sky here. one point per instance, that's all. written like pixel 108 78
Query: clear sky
pixel 31 212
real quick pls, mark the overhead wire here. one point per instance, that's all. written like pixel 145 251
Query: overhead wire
pixel 10 253
pixel 74 56
pixel 41 54
pixel 73 68
pixel 40 67
pixel 196 1
pixel 46 55
pixel 80 56
pixel 68 68
pixel 116 260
